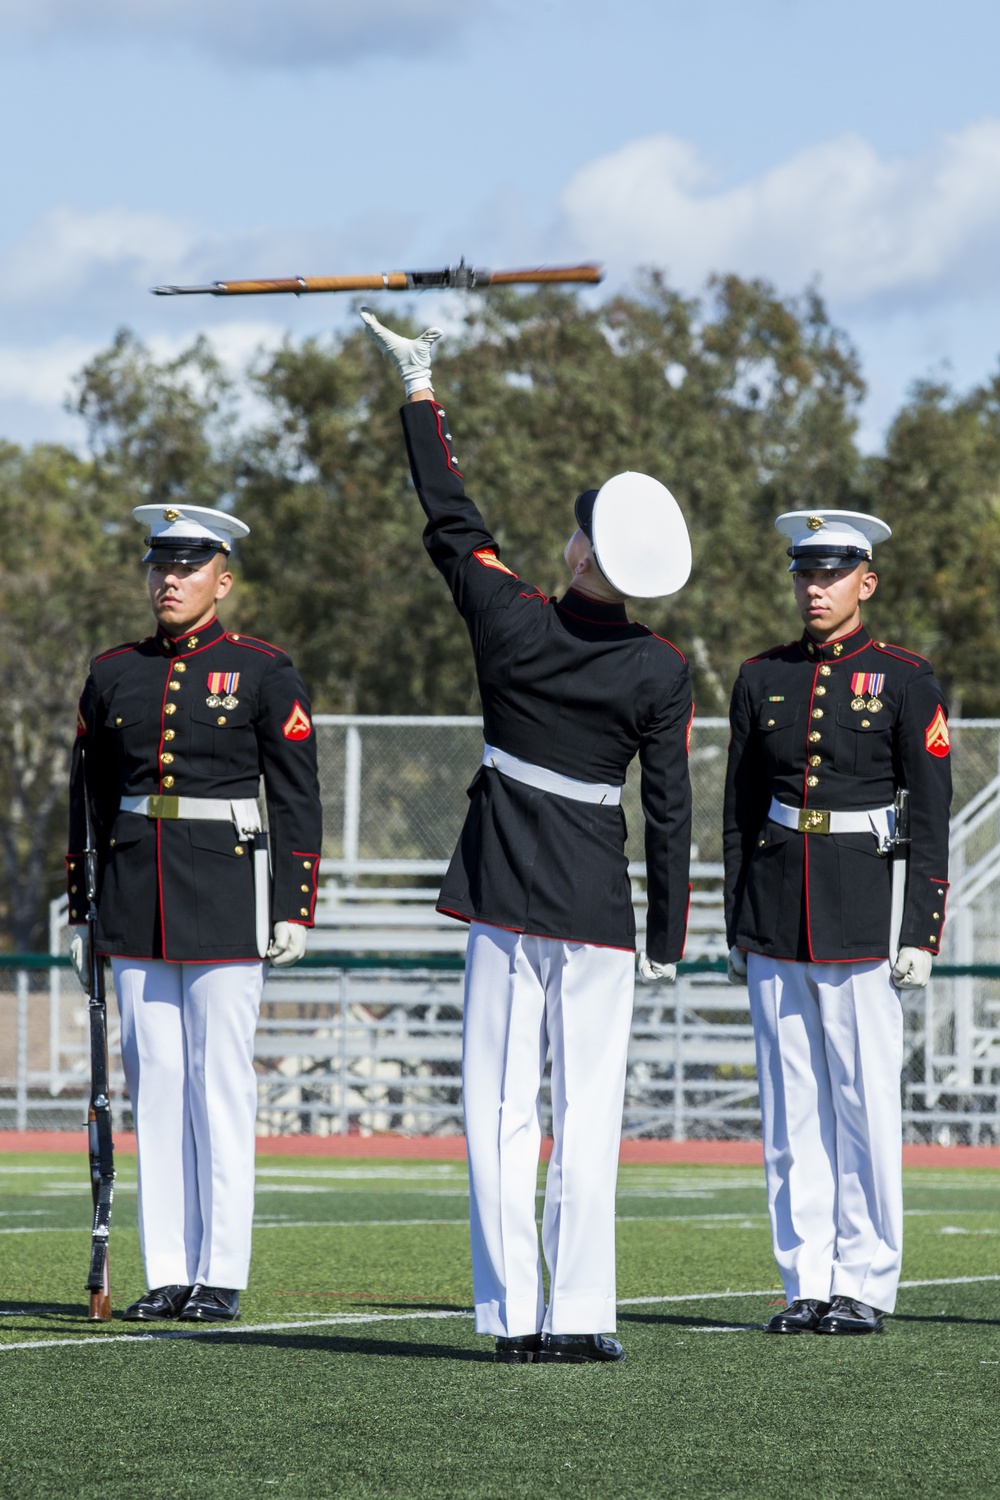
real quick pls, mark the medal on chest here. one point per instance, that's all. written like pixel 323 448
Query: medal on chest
pixel 866 687
pixel 222 689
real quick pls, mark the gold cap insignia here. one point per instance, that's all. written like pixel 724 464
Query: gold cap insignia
pixel 174 515
pixel 814 523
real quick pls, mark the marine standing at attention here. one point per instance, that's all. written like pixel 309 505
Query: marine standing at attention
pixel 174 733
pixel 825 732
pixel 571 692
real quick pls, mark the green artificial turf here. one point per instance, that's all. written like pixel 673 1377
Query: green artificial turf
pixel 379 1387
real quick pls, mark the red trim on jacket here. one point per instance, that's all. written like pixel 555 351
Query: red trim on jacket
pixel 121 650
pixel 687 918
pixel 908 660
pixel 308 854
pixel 521 932
pixel 665 642
pixel 262 650
pixel 208 963
pixel 438 414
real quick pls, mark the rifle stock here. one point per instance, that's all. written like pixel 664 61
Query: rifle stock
pixel 900 869
pixel 460 277
pixel 100 1142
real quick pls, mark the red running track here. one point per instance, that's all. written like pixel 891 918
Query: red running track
pixel 452 1148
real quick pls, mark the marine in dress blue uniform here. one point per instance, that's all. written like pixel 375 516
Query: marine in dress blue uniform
pixel 825 731
pixel 175 734
pixel 572 691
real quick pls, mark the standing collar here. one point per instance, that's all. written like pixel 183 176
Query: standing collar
pixel 595 611
pixel 192 640
pixel 847 645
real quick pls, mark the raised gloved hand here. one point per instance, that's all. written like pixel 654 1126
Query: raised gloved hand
pixel 79 956
pixel 288 944
pixel 411 357
pixel 736 966
pixel 651 973
pixel 912 968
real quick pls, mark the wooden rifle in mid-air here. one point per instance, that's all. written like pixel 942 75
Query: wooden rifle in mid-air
pixel 452 278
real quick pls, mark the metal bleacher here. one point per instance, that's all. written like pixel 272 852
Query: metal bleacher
pixel 365 1034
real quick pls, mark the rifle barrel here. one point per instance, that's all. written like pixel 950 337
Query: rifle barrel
pixel 460 277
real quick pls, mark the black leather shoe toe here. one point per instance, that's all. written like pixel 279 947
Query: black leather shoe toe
pixel 161 1302
pixel 847 1315
pixel 580 1349
pixel 801 1316
pixel 211 1304
pixel 524 1349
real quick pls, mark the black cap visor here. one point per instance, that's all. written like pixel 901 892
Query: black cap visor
pixel 816 559
pixel 192 551
pixel 583 509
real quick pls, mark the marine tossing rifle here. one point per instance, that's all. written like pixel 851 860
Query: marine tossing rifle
pixel 99 1138
pixel 452 278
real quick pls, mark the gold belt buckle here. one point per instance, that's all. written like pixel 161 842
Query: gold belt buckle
pixel 164 807
pixel 813 820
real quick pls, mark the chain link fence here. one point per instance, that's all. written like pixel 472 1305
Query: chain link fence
pixel 368 1038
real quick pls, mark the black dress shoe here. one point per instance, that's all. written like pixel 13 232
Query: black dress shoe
pixel 522 1350
pixel 161 1302
pixel 847 1315
pixel 579 1349
pixel 211 1304
pixel 801 1316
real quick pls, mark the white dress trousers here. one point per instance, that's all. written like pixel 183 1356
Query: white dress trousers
pixel 524 995
pixel 829 1041
pixel 187 1045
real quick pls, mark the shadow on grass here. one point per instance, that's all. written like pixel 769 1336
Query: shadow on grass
pixel 41 1309
pixel 684 1320
pixel 320 1343
pixel 956 1318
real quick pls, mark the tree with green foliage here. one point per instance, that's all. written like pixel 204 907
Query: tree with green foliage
pixel 71 584
pixel 743 405
pixel 938 486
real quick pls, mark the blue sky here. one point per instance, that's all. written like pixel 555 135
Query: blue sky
pixel 184 140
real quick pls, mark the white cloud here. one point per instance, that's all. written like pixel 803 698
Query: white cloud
pixel 42 376
pixel 904 229
pixel 268 33
pixel 65 249
pixel 74 264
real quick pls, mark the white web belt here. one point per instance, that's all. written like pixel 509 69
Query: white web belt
pixel 879 821
pixel 242 812
pixel 550 781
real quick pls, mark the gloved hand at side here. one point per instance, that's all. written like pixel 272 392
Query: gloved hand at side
pixel 736 966
pixel 288 944
pixel 912 968
pixel 650 972
pixel 411 357
pixel 79 956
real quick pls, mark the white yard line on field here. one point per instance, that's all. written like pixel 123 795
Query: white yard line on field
pixel 97 1340
pixel 733 1220
pixel 341 1320
pixel 776 1291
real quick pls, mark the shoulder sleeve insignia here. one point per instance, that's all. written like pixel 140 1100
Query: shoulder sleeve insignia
pixel 936 736
pixel 490 560
pixel 298 725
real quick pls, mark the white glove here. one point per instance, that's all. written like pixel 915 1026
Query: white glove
pixel 912 968
pixel 288 944
pixel 650 971
pixel 412 357
pixel 736 966
pixel 79 957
